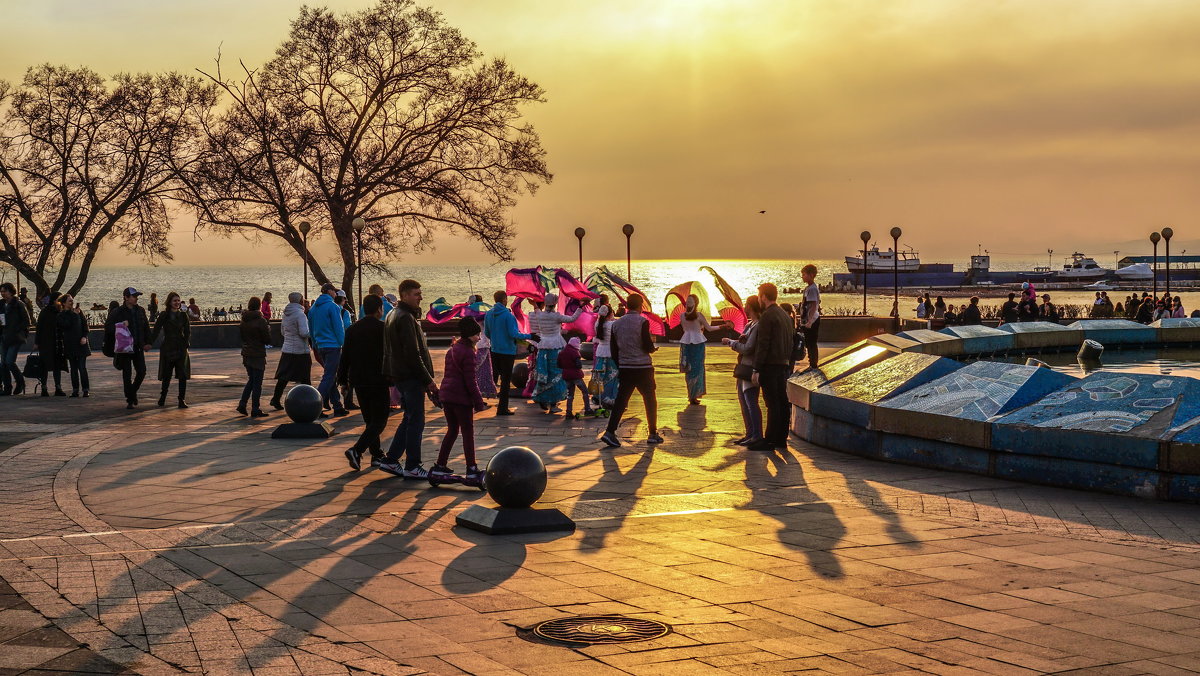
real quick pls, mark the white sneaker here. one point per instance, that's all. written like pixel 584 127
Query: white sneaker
pixel 417 472
pixel 392 468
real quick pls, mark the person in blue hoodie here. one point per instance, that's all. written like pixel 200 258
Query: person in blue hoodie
pixel 501 329
pixel 328 332
pixel 377 290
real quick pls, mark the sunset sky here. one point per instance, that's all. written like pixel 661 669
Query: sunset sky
pixel 1015 125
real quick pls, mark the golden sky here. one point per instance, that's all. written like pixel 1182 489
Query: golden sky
pixel 1015 125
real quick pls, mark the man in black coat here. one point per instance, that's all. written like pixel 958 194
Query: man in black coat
pixel 49 345
pixel 14 330
pixel 361 367
pixel 131 364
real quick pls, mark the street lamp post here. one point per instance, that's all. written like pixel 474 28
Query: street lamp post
pixel 304 227
pixel 865 235
pixel 579 233
pixel 628 230
pixel 1167 234
pixel 1154 237
pixel 358 224
pixel 896 232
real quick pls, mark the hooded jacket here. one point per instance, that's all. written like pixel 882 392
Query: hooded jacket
pixel 16 322
pixel 256 335
pixel 325 323
pixel 500 327
pixel 459 384
pixel 294 326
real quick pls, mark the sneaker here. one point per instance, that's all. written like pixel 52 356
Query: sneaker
pixel 377 460
pixel 392 468
pixel 440 471
pixel 355 459
pixel 475 474
pixel 417 472
pixel 610 438
pixel 654 439
pixel 556 409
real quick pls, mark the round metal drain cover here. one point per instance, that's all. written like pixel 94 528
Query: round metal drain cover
pixel 594 629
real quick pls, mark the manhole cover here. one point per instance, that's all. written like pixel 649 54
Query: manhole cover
pixel 593 629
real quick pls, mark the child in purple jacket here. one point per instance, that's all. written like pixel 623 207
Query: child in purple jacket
pixel 571 364
pixel 460 399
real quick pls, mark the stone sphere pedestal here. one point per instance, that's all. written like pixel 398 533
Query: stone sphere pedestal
pixel 515 479
pixel 303 406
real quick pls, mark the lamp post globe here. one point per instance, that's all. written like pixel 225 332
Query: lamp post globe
pixel 1167 234
pixel 579 233
pixel 1154 239
pixel 865 236
pixel 895 233
pixel 627 229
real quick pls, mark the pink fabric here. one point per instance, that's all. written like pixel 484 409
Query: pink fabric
pixel 525 283
pixel 730 308
pixel 677 299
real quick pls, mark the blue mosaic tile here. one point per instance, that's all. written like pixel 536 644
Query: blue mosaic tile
pixel 931 453
pixel 933 342
pixel 849 398
pixel 980 339
pixel 1178 330
pixel 1116 331
pixel 1041 335
pixel 1091 476
pixel 861 356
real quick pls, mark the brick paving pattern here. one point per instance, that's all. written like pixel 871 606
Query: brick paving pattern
pixel 174 541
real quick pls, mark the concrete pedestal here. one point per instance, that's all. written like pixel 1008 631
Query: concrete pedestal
pixel 513 521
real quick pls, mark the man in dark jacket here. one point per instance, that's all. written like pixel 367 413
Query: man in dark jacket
pixel 408 364
pixel 131 364
pixel 970 314
pixel 772 365
pixel 632 345
pixel 256 335
pixel 49 345
pixel 362 368
pixel 14 330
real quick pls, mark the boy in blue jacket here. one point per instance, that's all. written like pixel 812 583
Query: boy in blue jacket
pixel 500 326
pixel 328 332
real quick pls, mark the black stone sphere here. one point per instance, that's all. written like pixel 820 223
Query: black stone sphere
pixel 515 477
pixel 520 375
pixel 303 403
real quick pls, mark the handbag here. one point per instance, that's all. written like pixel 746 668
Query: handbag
pixel 743 372
pixel 34 368
pixel 123 339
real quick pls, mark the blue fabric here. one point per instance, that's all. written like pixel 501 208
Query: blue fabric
pixel 387 309
pixel 412 425
pixel 691 364
pixel 604 380
pixel 8 365
pixel 549 388
pixel 325 323
pixel 501 328
pixel 328 388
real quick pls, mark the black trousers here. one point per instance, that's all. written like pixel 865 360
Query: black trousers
pixel 374 404
pixel 642 380
pixel 810 342
pixel 133 372
pixel 772 378
pixel 174 368
pixel 502 366
pixel 79 373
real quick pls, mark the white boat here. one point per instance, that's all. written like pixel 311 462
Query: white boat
pixel 1100 286
pixel 885 261
pixel 1135 272
pixel 1081 268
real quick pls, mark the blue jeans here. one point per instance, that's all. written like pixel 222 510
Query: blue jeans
pixel 9 371
pixel 751 413
pixel 412 425
pixel 328 388
pixel 252 392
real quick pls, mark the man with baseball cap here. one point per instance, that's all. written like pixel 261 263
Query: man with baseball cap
pixel 328 333
pixel 132 364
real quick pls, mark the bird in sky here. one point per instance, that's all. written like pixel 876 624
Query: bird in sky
pixel 762 212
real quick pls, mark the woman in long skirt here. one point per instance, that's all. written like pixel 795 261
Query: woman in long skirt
pixel 604 369
pixel 483 367
pixel 691 349
pixel 550 388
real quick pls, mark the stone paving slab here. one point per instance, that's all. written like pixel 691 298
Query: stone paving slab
pixel 188 541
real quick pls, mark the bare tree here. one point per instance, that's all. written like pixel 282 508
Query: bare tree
pixel 387 113
pixel 83 164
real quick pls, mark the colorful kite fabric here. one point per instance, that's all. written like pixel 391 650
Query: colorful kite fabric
pixel 731 308
pixel 677 299
pixel 603 281
pixel 441 311
pixel 526 283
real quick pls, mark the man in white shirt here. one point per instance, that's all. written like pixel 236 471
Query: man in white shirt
pixel 810 314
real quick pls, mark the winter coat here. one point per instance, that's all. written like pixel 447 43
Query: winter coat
pixel 571 363
pixel 16 323
pixel 405 352
pixel 176 331
pixel 294 326
pixel 256 335
pixel 48 340
pixel 139 327
pixel 325 323
pixel 776 334
pixel 459 385
pixel 548 325
pixel 501 328
pixel 970 316
pixel 73 327
pixel 631 342
pixel 362 355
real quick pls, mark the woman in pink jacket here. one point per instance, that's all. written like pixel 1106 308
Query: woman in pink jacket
pixel 460 400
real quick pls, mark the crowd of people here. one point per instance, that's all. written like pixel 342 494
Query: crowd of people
pixel 1025 307
pixel 382 358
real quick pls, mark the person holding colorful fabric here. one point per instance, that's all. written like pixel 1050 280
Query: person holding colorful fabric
pixel 547 323
pixel 604 368
pixel 691 348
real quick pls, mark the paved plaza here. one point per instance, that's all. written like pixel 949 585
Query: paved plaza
pixel 165 541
